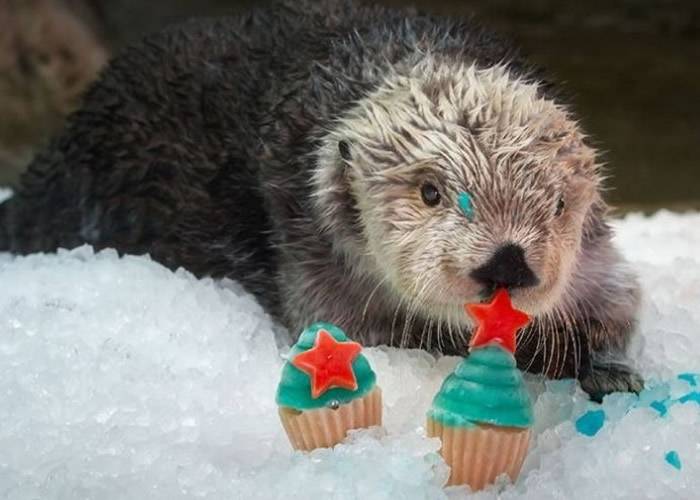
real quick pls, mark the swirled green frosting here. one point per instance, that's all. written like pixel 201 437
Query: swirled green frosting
pixel 486 388
pixel 294 390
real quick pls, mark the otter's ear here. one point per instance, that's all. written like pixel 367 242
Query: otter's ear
pixel 344 150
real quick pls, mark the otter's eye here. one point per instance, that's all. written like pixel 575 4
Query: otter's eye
pixel 560 207
pixel 430 194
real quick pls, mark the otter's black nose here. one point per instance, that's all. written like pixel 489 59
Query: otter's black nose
pixel 507 268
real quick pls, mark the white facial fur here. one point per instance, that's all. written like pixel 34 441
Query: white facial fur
pixel 463 129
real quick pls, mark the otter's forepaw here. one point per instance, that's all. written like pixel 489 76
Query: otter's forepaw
pixel 604 379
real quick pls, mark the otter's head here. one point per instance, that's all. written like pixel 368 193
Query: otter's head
pixel 449 181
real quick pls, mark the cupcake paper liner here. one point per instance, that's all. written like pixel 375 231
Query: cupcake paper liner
pixel 478 455
pixel 326 427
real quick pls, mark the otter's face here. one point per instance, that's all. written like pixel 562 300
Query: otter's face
pixel 461 181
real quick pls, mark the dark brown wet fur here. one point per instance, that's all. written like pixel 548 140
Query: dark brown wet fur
pixel 196 146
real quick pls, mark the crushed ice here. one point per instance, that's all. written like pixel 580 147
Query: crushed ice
pixel 121 379
pixel 5 193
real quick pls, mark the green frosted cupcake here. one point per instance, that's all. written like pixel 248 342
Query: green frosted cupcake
pixel 327 388
pixel 482 413
pixel 485 388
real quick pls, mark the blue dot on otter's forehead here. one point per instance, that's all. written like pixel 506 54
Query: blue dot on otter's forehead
pixel 465 204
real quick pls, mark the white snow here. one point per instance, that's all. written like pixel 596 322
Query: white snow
pixel 121 379
pixel 5 193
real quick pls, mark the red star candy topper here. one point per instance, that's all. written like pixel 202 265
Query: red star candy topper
pixel 329 364
pixel 498 321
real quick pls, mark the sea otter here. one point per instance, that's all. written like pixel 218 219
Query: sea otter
pixel 370 167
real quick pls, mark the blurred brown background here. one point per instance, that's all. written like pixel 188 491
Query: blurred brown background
pixel 631 67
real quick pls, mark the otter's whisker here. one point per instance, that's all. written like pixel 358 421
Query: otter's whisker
pixel 426 291
pixel 562 340
pixel 450 332
pixel 414 306
pixel 542 335
pixel 395 317
pixel 429 343
pixel 417 305
pixel 369 298
pixel 550 346
pixel 438 335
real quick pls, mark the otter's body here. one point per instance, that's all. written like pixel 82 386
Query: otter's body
pixel 260 149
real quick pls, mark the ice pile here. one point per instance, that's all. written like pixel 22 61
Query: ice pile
pixel 121 379
pixel 5 193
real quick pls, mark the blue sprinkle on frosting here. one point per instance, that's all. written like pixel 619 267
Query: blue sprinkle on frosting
pixel 673 459
pixel 465 204
pixel 590 422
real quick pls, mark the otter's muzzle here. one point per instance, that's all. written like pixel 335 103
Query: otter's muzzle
pixel 507 268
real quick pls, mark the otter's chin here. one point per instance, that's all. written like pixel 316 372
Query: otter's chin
pixel 537 301
pixel 449 312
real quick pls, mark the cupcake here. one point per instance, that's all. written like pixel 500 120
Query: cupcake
pixel 327 388
pixel 483 413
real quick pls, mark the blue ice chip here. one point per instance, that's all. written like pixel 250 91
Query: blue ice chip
pixel 691 396
pixel 660 407
pixel 590 422
pixel 691 378
pixel 465 204
pixel 673 459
